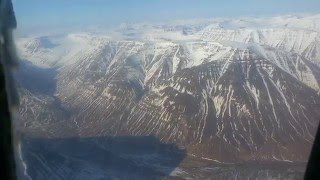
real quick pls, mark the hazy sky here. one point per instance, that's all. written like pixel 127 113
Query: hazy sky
pixel 61 13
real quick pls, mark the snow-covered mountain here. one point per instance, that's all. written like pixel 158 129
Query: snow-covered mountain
pixel 228 90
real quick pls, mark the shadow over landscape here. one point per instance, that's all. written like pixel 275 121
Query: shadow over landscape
pixel 139 157
pixel 125 157
pixel 35 79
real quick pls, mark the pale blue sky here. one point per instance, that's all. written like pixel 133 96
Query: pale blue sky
pixel 44 14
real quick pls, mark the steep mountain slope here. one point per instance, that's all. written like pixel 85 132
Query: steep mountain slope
pixel 227 94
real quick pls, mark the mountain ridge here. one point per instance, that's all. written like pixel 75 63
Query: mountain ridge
pixel 230 95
